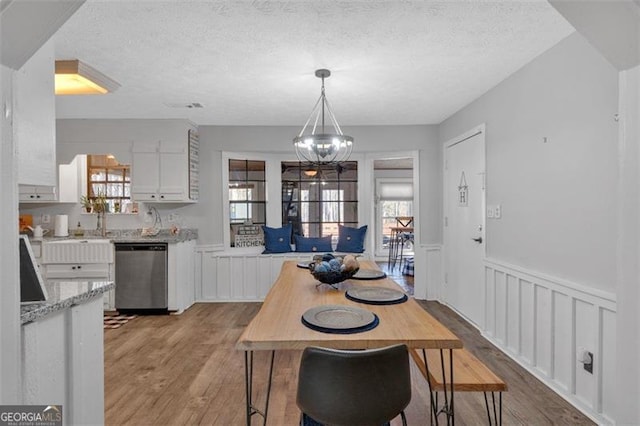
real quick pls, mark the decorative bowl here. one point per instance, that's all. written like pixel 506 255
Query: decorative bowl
pixel 331 277
pixel 333 270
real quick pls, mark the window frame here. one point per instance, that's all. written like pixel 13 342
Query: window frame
pixel 273 187
pixel 126 180
pixel 339 185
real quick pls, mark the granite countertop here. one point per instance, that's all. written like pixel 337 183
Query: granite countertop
pixel 132 236
pixel 63 295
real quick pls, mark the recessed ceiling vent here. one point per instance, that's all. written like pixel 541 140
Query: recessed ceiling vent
pixel 190 105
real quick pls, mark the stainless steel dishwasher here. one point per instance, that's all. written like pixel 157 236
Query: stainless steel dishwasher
pixel 141 277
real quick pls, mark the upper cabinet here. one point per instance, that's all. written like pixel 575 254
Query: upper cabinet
pixel 165 171
pixel 34 119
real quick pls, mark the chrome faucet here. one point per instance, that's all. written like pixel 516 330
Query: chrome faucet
pixel 102 223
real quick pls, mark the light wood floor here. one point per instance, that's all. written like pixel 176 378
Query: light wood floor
pixel 183 370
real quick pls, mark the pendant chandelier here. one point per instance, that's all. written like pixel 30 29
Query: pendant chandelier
pixel 319 145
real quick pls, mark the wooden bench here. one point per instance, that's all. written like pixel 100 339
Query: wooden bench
pixel 470 375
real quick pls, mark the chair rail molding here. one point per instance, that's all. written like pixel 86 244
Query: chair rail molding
pixel 544 322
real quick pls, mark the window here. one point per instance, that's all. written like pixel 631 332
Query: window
pixel 315 200
pixel 105 176
pixel 395 200
pixel 247 202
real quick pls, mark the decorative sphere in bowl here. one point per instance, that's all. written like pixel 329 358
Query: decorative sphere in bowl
pixel 331 269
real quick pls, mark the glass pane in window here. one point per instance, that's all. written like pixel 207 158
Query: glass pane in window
pixel 311 189
pixel 331 211
pixel 330 228
pixel 114 190
pixel 127 190
pixel 349 191
pixel 256 191
pixel 238 212
pixel 238 192
pixel 237 170
pixel 98 174
pixel 116 175
pixel 350 211
pixel 98 188
pixel 349 171
pixel 256 169
pixel 258 213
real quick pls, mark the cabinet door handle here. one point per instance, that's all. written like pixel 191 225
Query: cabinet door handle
pixel 79 266
pixel 73 267
pixel 162 196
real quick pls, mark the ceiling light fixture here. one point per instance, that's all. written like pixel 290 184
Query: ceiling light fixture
pixel 77 78
pixel 322 147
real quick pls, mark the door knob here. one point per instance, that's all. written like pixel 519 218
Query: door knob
pixel 478 240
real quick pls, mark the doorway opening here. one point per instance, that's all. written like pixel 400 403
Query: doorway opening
pixel 395 213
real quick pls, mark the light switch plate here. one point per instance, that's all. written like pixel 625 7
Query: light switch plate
pixel 490 212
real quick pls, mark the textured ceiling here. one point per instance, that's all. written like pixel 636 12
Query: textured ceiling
pixel 253 62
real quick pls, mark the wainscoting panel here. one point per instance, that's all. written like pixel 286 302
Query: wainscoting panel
pixel 545 323
pixel 428 279
pixel 227 277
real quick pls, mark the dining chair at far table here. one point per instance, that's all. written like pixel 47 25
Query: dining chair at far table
pixel 353 387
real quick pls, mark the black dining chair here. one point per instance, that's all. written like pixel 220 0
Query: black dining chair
pixel 351 388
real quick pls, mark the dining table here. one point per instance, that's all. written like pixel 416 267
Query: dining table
pixel 278 325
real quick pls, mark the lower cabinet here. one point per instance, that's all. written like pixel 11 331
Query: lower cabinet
pixel 181 275
pixel 86 261
pixel 63 363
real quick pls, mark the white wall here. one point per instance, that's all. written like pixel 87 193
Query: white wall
pixel 116 136
pixel 628 280
pixel 558 198
pixel 215 139
pixel 10 386
pixel 550 285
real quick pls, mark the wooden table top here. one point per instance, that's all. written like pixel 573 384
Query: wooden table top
pixel 278 323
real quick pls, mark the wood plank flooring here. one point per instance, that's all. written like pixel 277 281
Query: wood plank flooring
pixel 184 370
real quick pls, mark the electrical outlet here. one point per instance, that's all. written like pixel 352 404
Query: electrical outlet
pixel 497 210
pixel 588 366
pixel 586 359
pixel 46 218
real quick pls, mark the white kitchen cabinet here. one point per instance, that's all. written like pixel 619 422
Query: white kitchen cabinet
pixel 36 193
pixel 181 279
pixel 75 271
pixel 160 171
pixel 34 119
pixel 80 260
pixel 63 362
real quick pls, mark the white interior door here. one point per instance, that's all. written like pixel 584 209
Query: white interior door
pixel 464 224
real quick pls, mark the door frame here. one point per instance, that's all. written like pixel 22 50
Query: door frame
pixel 369 187
pixel 477 130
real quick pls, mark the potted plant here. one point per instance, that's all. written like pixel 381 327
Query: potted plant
pixel 87 203
pixel 100 203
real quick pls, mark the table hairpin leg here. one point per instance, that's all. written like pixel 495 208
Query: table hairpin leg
pixel 447 407
pixel 433 413
pixel 248 382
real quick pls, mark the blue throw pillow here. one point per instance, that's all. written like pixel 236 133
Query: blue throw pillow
pixel 321 244
pixel 351 240
pixel 277 240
